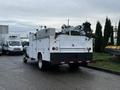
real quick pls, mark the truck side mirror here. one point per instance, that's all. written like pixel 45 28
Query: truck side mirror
pixel 6 45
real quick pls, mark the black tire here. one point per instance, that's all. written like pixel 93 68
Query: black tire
pixel 25 60
pixel 43 65
pixel 74 65
pixel 7 52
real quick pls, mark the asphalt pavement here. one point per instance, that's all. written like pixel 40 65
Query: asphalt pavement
pixel 15 75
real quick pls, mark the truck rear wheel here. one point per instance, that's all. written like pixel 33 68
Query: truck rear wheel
pixel 24 60
pixel 41 64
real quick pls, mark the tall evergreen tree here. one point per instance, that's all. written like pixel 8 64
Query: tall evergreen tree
pixel 111 36
pixel 107 31
pixel 98 38
pixel 118 34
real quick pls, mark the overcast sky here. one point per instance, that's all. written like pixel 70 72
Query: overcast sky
pixel 54 13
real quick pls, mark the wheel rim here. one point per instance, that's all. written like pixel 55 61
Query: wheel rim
pixel 40 64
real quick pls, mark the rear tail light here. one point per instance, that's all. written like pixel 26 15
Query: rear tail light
pixel 54 48
pixel 62 62
pixel 88 61
pixel 79 61
pixel 88 49
pixel 71 62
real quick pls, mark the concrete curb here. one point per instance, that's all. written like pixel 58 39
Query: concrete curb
pixel 104 70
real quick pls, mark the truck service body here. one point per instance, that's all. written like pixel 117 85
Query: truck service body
pixel 65 47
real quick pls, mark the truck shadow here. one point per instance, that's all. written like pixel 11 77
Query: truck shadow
pixel 61 69
pixel 62 72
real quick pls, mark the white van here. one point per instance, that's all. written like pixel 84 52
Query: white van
pixel 12 44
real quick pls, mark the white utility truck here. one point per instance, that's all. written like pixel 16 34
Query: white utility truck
pixel 73 46
pixel 12 44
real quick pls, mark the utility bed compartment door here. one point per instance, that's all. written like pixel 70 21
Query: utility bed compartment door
pixel 74 43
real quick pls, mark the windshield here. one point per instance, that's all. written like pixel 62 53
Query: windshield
pixel 14 43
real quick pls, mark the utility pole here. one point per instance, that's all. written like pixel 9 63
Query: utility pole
pixel 68 22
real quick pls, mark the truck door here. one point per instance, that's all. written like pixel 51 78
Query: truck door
pixel 73 44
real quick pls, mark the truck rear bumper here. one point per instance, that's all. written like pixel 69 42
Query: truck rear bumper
pixel 59 58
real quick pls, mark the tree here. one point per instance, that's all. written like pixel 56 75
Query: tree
pixel 111 36
pixel 98 38
pixel 118 34
pixel 87 29
pixel 107 31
